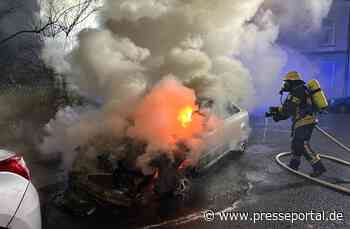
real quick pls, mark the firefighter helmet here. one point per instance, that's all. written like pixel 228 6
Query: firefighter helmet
pixel 293 75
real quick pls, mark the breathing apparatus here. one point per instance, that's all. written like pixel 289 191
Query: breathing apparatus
pixel 286 87
pixel 314 89
pixel 319 99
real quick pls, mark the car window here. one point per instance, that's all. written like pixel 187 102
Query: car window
pixel 221 110
pixel 225 111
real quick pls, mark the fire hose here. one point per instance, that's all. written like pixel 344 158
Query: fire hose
pixel 331 158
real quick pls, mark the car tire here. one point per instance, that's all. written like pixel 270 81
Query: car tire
pixel 183 189
pixel 243 147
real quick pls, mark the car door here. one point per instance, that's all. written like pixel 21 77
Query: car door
pixel 236 127
pixel 227 137
pixel 220 140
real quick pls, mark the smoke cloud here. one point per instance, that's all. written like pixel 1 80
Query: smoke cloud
pixel 299 17
pixel 227 50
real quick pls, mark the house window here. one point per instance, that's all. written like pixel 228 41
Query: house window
pixel 327 37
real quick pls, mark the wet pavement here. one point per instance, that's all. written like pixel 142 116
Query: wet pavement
pixel 249 183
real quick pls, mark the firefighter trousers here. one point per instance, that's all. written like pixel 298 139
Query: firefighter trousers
pixel 301 146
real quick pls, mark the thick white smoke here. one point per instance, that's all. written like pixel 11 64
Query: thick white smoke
pixel 225 49
pixel 299 18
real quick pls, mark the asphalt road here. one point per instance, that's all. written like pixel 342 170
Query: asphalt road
pixel 252 183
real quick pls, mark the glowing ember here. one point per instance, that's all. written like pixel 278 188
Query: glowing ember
pixel 185 116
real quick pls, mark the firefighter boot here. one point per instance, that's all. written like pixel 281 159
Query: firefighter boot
pixel 318 168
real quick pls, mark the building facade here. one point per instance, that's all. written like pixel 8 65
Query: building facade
pixel 330 50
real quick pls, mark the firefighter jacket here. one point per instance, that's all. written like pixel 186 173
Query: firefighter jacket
pixel 298 106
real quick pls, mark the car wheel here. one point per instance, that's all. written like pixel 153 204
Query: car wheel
pixel 183 188
pixel 243 147
pixel 237 153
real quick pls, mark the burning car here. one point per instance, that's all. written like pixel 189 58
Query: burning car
pixel 116 181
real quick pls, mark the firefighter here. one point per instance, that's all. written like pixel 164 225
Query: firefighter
pixel 299 107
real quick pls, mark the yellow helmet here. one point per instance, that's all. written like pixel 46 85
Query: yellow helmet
pixel 293 75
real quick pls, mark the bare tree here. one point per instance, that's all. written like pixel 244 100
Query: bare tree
pixel 56 17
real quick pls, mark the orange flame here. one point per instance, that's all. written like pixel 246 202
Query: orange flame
pixel 185 116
